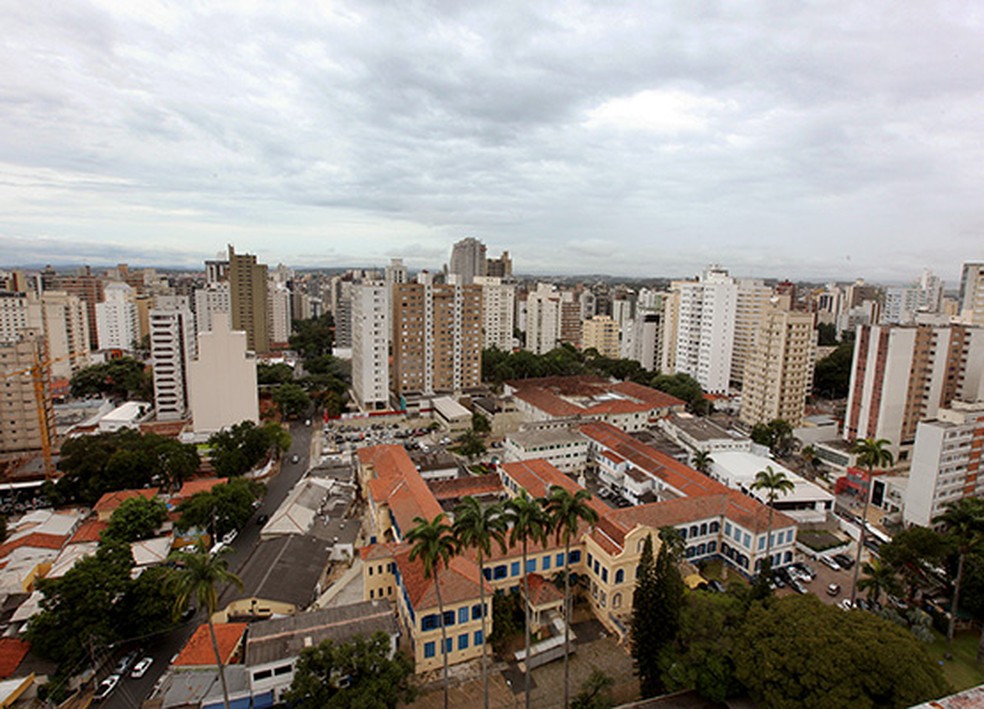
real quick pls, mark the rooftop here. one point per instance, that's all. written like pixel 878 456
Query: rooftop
pixel 698 428
pixel 285 569
pixel 199 652
pixel 590 396
pixel 741 467
pixel 547 437
pixel 112 500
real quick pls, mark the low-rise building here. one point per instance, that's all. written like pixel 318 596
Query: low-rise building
pixel 564 448
pixel 701 435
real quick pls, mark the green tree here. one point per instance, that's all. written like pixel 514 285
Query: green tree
pixel 273 374
pixel 871 453
pixel 198 575
pixel 567 513
pixel 832 374
pixel 911 551
pixel 528 522
pixel 119 379
pixel 313 338
pixel 594 692
pixel 242 447
pixel 78 609
pixel 879 577
pixel 701 462
pixel 963 521
pixel 684 387
pixel 136 518
pixel 147 605
pixel 372 677
pixel 798 652
pixel 292 400
pixel 777 434
pixel 434 544
pixel 470 445
pixel 477 528
pixel 480 424
pixel 774 483
pixel 224 508
pixel 826 334
pixel 644 629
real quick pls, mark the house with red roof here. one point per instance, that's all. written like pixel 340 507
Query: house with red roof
pixel 199 653
pixel 110 502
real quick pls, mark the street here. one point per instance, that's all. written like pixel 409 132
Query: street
pixel 131 692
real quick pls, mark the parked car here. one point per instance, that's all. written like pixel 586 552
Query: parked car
pixel 830 562
pixel 833 589
pixel 294 458
pixel 124 663
pixel 140 669
pixel 230 537
pixel 262 519
pixel 798 587
pixel 844 560
pixel 106 687
pixel 716 586
pixel 845 604
pixel 188 614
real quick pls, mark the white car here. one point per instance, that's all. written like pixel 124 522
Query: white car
pixel 106 686
pixel 846 604
pixel 140 669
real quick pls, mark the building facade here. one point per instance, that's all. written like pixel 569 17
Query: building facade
pixel 370 345
pixel 116 318
pixel 19 403
pixel 172 348
pixel 601 333
pixel 248 301
pixel 222 380
pixel 705 328
pixel 498 312
pixel 972 293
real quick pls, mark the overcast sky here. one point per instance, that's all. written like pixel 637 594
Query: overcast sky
pixel 805 139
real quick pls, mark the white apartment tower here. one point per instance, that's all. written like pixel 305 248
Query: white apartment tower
pixel 751 305
pixel 972 293
pixel 222 380
pixel 467 260
pixel 946 462
pixel 211 302
pixel 172 347
pixel 552 317
pixel 396 272
pixel 66 326
pixel 370 345
pixel 903 375
pixel 117 325
pixel 280 311
pixel 498 312
pixel 706 328
pixel 779 371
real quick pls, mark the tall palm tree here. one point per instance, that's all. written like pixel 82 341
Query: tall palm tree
pixel 879 576
pixel 198 575
pixel 775 483
pixel 527 522
pixel 701 462
pixel 567 512
pixel 964 523
pixel 871 454
pixel 477 527
pixel 433 542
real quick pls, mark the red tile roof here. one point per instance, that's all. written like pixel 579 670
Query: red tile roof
pixel 548 395
pixel 399 485
pixel 542 591
pixel 198 651
pixel 459 581
pixel 34 540
pixel 89 531
pixel 537 476
pixel 111 500
pixel 12 652
pixel 462 487
pixel 193 487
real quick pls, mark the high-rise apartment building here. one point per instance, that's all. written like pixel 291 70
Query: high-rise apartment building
pixel 705 328
pixel 437 337
pixel 601 333
pixel 499 267
pixel 779 371
pixel 972 293
pixel 280 309
pixel 116 318
pixel 85 286
pixel 396 272
pixel 64 320
pixel 467 260
pixel 222 380
pixel 343 314
pixel 248 299
pixel 20 420
pixel 903 375
pixel 753 301
pixel 211 302
pixel 370 344
pixel 172 348
pixel 946 462
pixel 643 341
pixel 14 315
pixel 552 317
pixel 498 312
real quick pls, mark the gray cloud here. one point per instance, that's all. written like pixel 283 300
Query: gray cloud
pixel 825 141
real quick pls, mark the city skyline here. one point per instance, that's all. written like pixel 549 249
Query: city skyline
pixel 833 142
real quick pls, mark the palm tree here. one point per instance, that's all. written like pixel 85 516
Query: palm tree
pixel 701 462
pixel 774 483
pixel 528 522
pixel 434 543
pixel 878 576
pixel 964 523
pixel 475 527
pixel 567 512
pixel 871 454
pixel 197 575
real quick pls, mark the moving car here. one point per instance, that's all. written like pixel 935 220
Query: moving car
pixel 262 519
pixel 140 669
pixel 106 686
pixel 294 458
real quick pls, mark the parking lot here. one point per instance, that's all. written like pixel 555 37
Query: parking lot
pixel 825 577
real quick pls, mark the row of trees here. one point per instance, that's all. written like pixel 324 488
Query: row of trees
pixel 519 521
pixel 566 360
pixel 240 448
pixel 117 379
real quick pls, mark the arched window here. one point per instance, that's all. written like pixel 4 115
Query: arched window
pixel 617 600
pixel 711 547
pixel 619 576
pixel 715 527
pixel 701 549
pixel 703 528
pixel 693 531
pixel 683 533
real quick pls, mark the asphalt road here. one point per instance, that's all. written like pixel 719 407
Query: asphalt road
pixel 131 692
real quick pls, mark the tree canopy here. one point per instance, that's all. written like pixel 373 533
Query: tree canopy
pixel 136 518
pixel 292 400
pixel 272 374
pixel 359 673
pixel 118 379
pixel 777 434
pixel 228 506
pixel 241 448
pixel 832 374
pixel 314 337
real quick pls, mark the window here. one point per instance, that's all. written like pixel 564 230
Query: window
pixel 478 639
pixel 262 674
pixel 500 571
pixel 703 529
pixel 575 556
pixel 448 645
pixel 619 576
pixel 371 594
pixel 531 566
pixel 591 560
pixel 476 611
pixel 715 527
pixel 370 571
pixel 429 622
pixel 282 670
pixel 463 615
pixel 488 574
pixel 560 560
pixel 597 566
pixel 514 569
pixel 761 543
pixel 448 618
pixel 604 574
pixel 463 641
pixel 617 600
pixel 429 649
pixel 545 564
pixel 727 529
